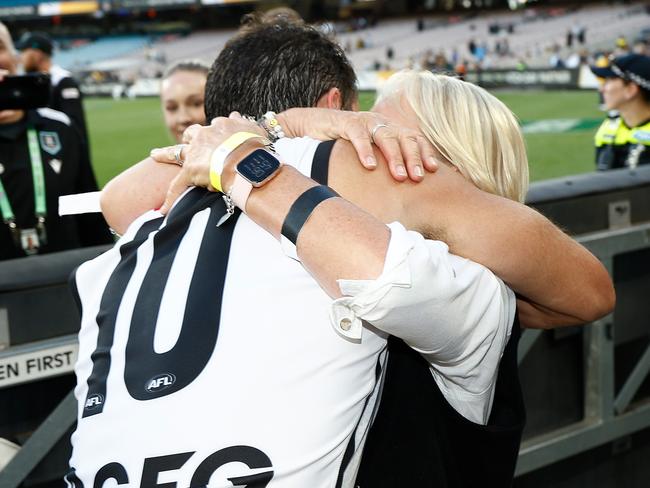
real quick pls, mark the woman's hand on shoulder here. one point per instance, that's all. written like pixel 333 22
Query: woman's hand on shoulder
pixel 408 152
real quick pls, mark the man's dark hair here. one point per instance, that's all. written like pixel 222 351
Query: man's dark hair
pixel 276 67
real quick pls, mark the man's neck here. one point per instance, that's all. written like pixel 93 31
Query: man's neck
pixel 635 114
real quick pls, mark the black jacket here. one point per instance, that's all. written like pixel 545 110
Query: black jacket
pixel 418 439
pixel 66 171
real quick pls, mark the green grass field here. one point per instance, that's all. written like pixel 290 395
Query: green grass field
pixel 122 132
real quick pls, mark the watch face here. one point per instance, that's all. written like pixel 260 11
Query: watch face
pixel 258 167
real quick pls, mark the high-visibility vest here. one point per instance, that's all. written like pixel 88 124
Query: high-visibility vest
pixel 619 146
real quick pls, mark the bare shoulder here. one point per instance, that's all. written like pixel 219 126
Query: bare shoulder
pixel 427 206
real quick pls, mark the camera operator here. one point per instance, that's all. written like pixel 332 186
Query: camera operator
pixel 36 57
pixel 40 159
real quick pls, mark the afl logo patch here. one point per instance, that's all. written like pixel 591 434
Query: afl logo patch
pixel 94 401
pixel 160 382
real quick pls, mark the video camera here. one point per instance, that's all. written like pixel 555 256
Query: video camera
pixel 20 92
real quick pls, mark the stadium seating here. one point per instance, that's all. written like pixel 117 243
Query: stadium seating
pixel 102 49
pixel 534 34
pixel 202 45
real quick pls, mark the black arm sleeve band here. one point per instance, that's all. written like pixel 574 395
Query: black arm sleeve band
pixel 302 209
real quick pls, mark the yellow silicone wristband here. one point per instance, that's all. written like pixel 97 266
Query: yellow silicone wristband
pixel 215 180
pixel 220 154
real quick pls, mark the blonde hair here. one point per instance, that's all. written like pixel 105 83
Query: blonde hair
pixel 471 128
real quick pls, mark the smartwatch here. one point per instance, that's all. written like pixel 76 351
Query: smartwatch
pixel 220 154
pixel 253 171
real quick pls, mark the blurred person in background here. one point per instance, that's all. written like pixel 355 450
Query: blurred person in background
pixel 36 57
pixel 621 45
pixel 602 61
pixel 41 159
pixel 623 139
pixel 641 47
pixel 182 93
pixel 441 64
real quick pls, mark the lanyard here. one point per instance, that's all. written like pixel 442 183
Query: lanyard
pixel 39 184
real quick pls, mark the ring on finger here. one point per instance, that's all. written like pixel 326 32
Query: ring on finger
pixel 178 149
pixel 374 131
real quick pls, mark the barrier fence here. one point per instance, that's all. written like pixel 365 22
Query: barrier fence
pixel 608 414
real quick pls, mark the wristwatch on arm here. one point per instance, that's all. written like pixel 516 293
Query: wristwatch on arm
pixel 253 171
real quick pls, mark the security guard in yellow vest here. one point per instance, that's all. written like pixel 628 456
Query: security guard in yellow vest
pixel 619 146
pixel 623 141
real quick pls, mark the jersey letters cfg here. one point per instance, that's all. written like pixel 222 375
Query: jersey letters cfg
pixel 162 467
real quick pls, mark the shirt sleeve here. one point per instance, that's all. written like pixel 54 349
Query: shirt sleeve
pixel 297 152
pixel 453 311
pixel 69 101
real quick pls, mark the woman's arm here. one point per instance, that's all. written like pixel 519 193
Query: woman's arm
pixel 135 191
pixel 561 282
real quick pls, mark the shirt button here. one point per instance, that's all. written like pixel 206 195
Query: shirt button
pixel 345 324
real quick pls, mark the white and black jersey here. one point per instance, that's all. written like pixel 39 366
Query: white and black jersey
pixel 206 358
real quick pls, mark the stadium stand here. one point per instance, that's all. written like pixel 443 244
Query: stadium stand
pixel 532 37
pixel 198 45
pixel 102 49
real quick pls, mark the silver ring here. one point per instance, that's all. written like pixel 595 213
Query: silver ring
pixel 178 149
pixel 374 131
